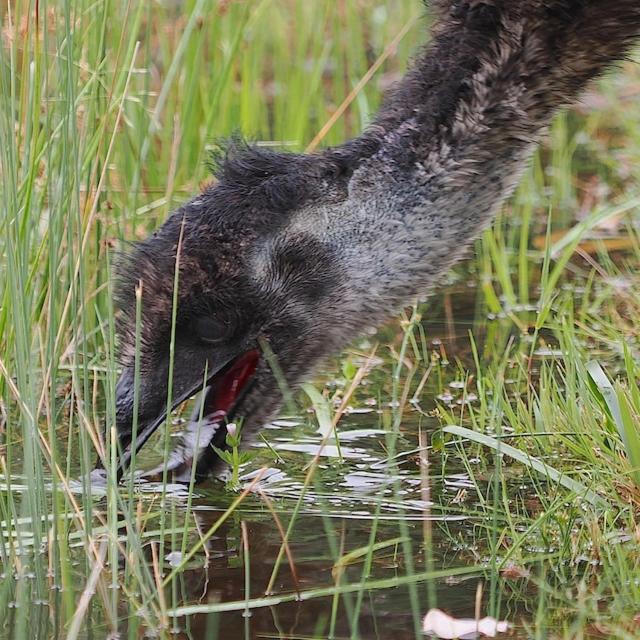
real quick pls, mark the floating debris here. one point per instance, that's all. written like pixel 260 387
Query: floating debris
pixel 441 625
pixel 174 558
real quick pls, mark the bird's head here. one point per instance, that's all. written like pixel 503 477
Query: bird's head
pixel 255 304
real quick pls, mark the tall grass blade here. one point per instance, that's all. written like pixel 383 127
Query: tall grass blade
pixel 620 413
pixel 529 461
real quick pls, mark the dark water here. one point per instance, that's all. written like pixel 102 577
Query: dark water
pixel 341 504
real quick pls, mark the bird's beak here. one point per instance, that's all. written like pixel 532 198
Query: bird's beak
pixel 224 383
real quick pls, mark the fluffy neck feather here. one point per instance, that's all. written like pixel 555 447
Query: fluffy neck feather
pixel 452 140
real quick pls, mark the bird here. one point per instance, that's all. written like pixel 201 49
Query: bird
pixel 286 258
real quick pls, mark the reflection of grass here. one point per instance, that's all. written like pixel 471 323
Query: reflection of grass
pixel 108 112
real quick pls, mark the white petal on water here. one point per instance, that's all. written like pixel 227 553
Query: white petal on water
pixel 174 558
pixel 441 625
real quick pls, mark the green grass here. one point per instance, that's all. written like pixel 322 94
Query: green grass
pixel 108 112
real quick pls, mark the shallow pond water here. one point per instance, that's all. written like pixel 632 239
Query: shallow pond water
pixel 390 521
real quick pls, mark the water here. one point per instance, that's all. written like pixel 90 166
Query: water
pixel 429 503
pixel 342 504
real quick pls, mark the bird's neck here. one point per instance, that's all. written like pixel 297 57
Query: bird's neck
pixel 494 73
pixel 451 141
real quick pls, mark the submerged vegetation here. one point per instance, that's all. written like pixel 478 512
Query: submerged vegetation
pixel 480 455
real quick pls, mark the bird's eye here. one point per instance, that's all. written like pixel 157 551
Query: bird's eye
pixel 213 330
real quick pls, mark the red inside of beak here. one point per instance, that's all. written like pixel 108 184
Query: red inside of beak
pixel 227 386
